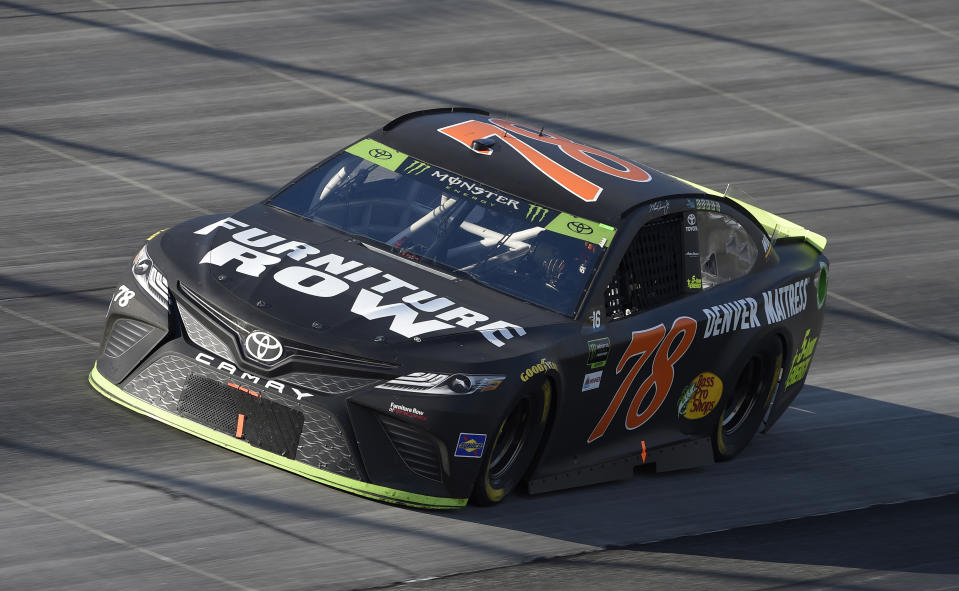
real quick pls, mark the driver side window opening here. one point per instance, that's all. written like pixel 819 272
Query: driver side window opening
pixel 652 270
pixel 677 255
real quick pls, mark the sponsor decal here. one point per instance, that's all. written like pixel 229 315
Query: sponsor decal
pixel 703 204
pixel 470 445
pixel 660 207
pixel 536 213
pixel 598 352
pixel 730 317
pixel 785 302
pixel 517 138
pixel 123 296
pixel 592 380
pixel 801 360
pixel 263 346
pixel 701 396
pixel 412 312
pixel 476 191
pixel 694 282
pixel 581 228
pixel 596 318
pixel 665 349
pixel 767 247
pixel 416 167
pixel 691 219
pixel 378 153
pixel 779 305
pixel 211 361
pixel 407 411
pixel 819 282
pixel 537 368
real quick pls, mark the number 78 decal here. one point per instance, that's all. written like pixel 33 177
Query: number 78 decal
pixel 467 132
pixel 652 341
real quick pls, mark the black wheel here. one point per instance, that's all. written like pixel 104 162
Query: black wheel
pixel 744 406
pixel 514 446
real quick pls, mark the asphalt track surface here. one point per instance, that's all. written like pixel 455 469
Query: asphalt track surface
pixel 121 117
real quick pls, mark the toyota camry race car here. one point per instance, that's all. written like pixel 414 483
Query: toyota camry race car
pixel 458 303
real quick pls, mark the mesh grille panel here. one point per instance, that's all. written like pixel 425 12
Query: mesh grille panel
pixel 417 449
pixel 125 334
pixel 651 272
pixel 202 336
pixel 322 442
pixel 328 384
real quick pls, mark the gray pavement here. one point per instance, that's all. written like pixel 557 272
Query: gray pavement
pixel 123 117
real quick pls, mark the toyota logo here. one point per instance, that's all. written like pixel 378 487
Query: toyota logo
pixel 263 346
pixel 381 154
pixel 579 228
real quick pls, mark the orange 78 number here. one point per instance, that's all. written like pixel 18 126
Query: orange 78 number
pixel 468 131
pixel 646 343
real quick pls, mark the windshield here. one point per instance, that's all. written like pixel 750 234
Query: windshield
pixel 434 217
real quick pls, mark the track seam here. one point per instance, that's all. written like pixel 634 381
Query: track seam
pixel 111 538
pixel 44 324
pixel 115 175
pixel 910 19
pixel 276 73
pixel 729 96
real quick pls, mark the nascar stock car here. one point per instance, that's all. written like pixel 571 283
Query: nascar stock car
pixel 458 303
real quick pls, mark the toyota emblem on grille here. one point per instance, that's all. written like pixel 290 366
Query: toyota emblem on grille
pixel 263 346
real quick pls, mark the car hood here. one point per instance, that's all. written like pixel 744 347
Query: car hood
pixel 360 300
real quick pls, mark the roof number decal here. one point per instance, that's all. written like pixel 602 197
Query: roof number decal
pixel 467 132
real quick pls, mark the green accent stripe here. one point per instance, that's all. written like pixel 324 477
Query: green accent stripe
pixel 589 230
pixel 378 153
pixel 365 489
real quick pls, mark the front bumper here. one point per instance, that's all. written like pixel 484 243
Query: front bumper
pixel 352 485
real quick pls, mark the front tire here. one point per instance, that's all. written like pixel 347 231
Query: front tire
pixel 514 446
pixel 745 406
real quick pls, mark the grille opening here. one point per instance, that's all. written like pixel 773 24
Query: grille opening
pixel 652 270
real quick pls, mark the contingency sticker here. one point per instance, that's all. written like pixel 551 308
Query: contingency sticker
pixel 598 353
pixel 470 445
pixel 377 153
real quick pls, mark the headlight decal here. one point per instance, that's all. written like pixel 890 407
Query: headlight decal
pixel 150 279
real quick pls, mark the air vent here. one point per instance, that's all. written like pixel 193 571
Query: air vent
pixel 328 384
pixel 125 334
pixel 419 450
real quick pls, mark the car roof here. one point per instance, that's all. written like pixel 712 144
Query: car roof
pixel 504 168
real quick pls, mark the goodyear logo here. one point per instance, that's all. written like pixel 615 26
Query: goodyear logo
pixel 470 445
pixel 701 396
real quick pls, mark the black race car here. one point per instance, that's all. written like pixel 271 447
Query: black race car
pixel 457 303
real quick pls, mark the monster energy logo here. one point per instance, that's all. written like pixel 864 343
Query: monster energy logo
pixel 536 211
pixel 416 167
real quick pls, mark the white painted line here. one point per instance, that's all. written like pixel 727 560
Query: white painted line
pixel 731 96
pixel 111 538
pixel 39 322
pixel 802 410
pixel 274 72
pixel 912 20
pixel 872 310
pixel 115 175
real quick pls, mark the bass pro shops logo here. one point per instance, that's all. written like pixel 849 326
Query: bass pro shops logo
pixel 412 311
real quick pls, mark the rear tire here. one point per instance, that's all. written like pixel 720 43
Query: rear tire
pixel 744 407
pixel 514 447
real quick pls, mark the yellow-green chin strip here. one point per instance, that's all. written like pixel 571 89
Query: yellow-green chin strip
pixel 373 491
